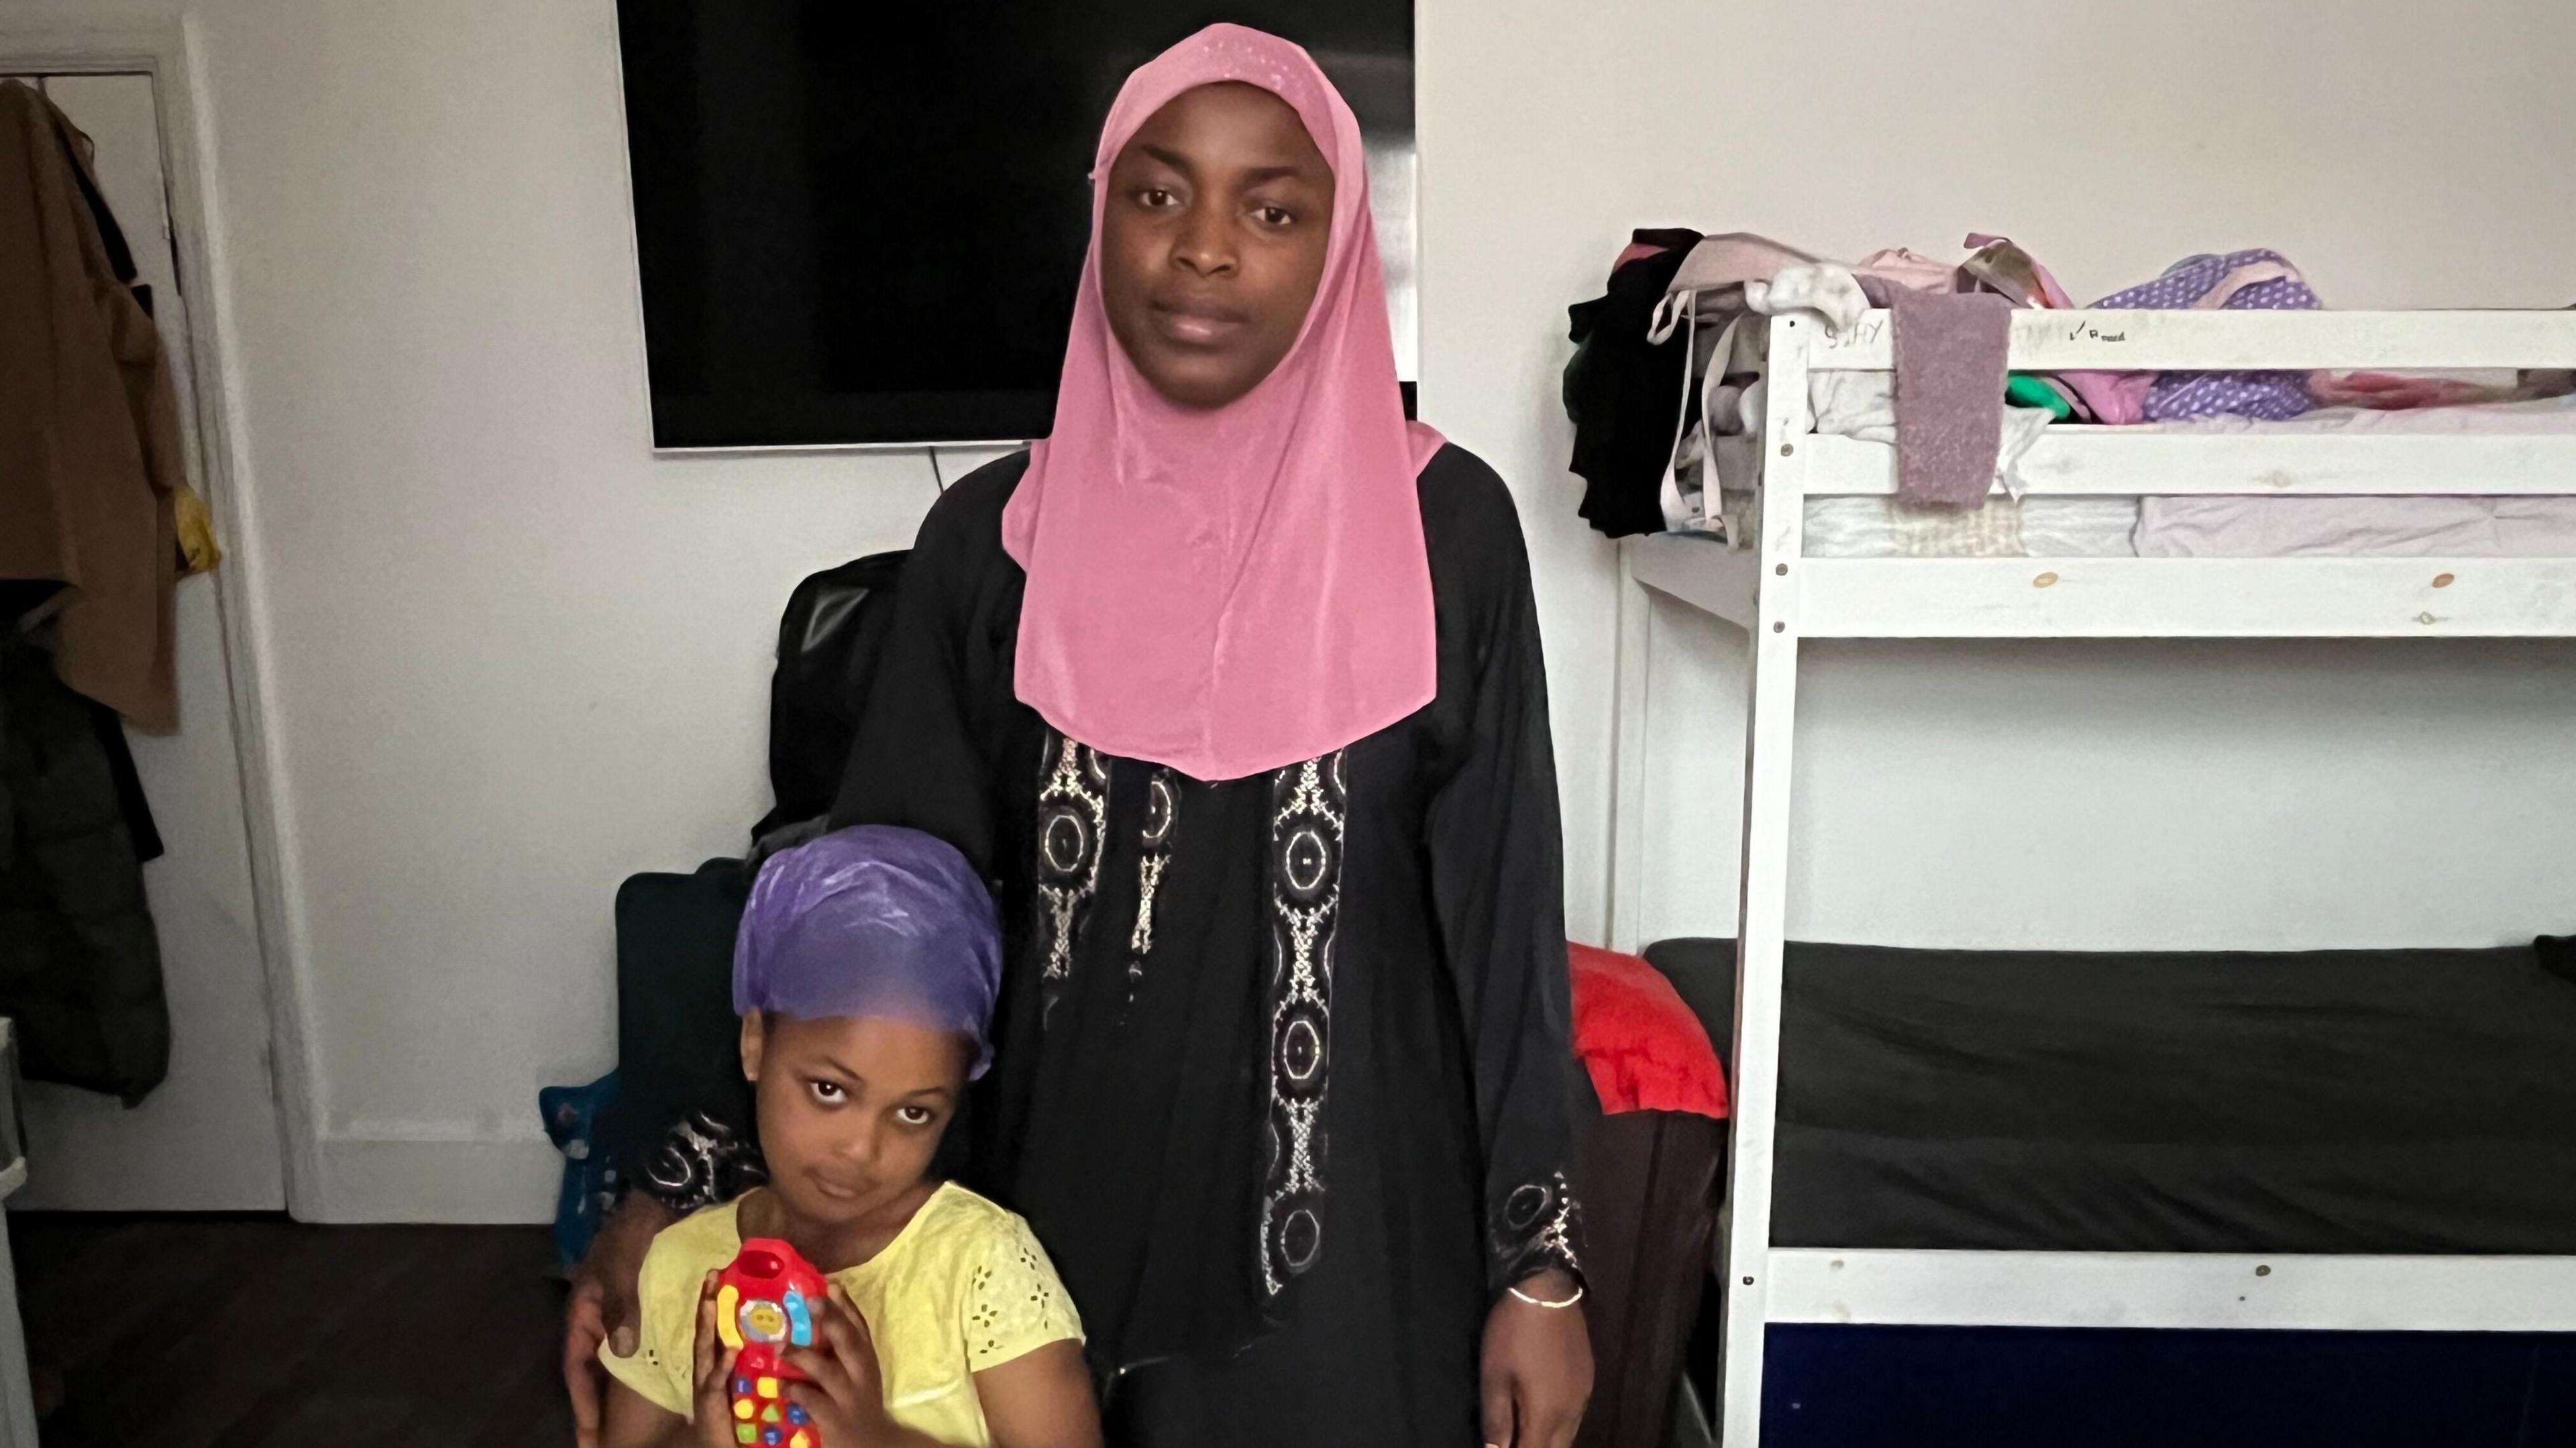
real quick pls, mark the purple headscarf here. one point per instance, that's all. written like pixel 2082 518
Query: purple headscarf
pixel 872 921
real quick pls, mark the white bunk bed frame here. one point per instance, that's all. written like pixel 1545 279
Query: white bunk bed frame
pixel 1781 597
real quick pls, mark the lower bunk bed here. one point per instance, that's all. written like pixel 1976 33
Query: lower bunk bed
pixel 2391 1103
pixel 2379 1102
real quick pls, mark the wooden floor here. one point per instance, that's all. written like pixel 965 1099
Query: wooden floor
pixel 244 1333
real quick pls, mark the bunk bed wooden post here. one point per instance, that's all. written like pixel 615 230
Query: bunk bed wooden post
pixel 1627 906
pixel 1762 920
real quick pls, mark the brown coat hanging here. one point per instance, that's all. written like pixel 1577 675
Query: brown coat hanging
pixel 91 456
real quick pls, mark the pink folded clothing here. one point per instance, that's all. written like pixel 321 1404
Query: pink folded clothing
pixel 1950 350
pixel 1643 1048
pixel 2397 391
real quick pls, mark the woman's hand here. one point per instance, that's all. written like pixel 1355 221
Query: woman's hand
pixel 602 1307
pixel 710 1368
pixel 846 1393
pixel 1538 1367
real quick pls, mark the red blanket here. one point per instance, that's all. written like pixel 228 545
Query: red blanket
pixel 1645 1049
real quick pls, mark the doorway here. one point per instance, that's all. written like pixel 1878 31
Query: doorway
pixel 208 1138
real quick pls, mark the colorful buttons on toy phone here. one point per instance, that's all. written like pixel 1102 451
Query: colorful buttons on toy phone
pixel 741 1387
pixel 796 1414
pixel 772 1437
pixel 745 1433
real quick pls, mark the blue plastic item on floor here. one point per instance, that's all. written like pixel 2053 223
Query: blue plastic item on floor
pixel 573 1115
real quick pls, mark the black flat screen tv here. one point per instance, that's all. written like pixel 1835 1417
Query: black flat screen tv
pixel 861 223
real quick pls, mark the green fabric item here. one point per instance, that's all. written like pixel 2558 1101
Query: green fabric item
pixel 2024 390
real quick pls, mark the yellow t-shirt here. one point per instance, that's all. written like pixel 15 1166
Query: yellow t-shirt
pixel 963 1287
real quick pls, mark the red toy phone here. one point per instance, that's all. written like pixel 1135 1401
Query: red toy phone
pixel 766 1303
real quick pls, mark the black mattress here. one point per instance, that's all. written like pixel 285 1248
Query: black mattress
pixel 2401 1101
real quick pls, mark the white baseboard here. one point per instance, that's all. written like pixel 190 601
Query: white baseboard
pixel 452 1181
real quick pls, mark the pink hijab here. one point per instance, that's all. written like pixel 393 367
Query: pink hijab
pixel 1232 591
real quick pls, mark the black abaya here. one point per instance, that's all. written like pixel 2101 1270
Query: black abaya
pixel 1284 1078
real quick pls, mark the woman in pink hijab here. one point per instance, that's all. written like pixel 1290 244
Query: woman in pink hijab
pixel 1232 686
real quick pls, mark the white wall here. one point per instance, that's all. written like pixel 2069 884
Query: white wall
pixel 517 658
pixel 2102 795
pixel 512 657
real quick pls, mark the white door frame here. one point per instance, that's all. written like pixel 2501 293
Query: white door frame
pixel 170 51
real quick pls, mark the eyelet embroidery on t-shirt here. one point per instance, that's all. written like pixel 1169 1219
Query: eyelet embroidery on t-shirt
pixel 1011 1305
pixel 1309 804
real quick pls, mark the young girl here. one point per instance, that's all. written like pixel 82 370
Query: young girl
pixel 865 973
